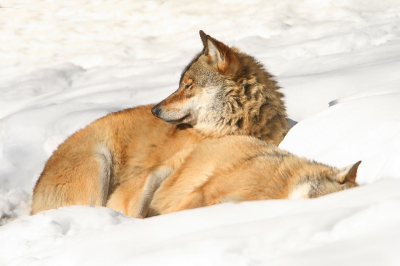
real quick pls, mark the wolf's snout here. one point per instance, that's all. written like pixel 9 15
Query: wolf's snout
pixel 156 110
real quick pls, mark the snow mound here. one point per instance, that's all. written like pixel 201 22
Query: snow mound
pixel 336 229
pixel 66 63
pixel 365 127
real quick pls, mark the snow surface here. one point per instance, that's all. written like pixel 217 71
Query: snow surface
pixel 66 63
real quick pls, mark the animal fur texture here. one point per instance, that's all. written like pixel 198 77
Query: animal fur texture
pixel 221 92
pixel 229 169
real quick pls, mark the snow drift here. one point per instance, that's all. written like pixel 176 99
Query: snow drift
pixel 64 65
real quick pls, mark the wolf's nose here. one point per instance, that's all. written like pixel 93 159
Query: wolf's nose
pixel 155 110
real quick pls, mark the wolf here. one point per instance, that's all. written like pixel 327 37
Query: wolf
pixel 228 169
pixel 221 92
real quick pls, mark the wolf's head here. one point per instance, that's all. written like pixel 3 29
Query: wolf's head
pixel 332 181
pixel 223 91
pixel 199 100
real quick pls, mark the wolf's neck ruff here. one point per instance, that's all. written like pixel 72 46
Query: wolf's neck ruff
pixel 252 109
pixel 253 105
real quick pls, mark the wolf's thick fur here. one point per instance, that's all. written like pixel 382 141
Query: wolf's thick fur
pixel 232 168
pixel 221 92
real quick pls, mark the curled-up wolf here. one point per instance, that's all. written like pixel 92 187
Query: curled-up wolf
pixel 221 92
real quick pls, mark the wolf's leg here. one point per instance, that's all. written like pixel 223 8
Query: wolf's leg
pixel 127 193
pixel 80 180
pixel 135 195
pixel 153 182
pixel 105 162
pixel 156 177
pixel 191 201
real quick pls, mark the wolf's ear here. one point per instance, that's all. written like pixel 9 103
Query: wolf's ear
pixel 219 54
pixel 211 48
pixel 348 174
pixel 203 37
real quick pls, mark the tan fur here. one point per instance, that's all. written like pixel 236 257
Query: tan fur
pixel 135 140
pixel 233 168
pixel 229 93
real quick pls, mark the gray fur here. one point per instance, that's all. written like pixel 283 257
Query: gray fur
pixel 226 92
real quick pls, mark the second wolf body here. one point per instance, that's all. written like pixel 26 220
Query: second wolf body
pixel 230 169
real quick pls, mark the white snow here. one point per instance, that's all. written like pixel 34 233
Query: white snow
pixel 65 63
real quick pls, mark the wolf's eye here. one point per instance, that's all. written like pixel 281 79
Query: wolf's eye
pixel 187 86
